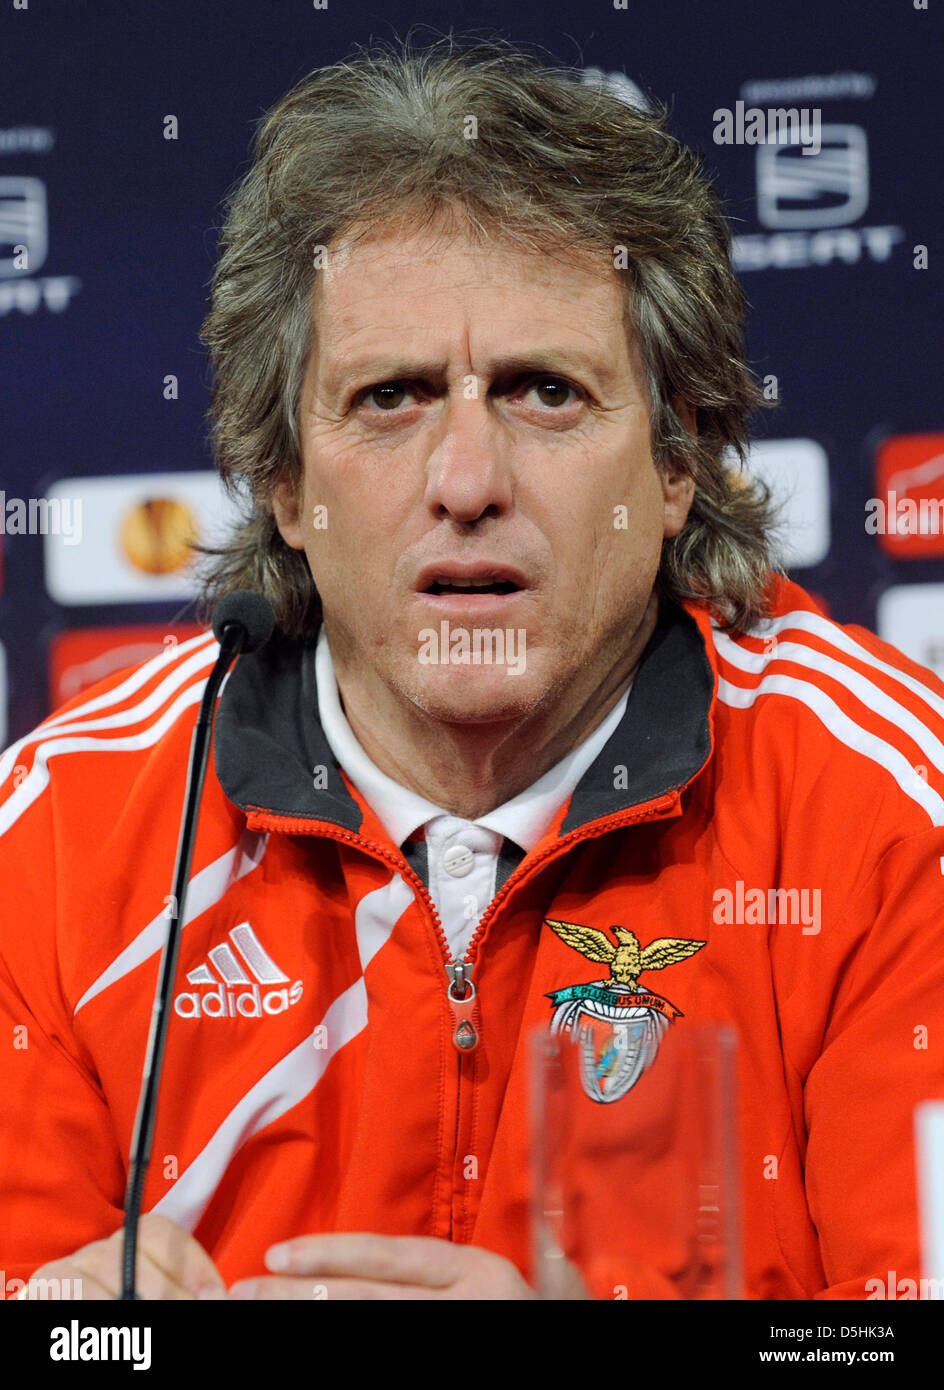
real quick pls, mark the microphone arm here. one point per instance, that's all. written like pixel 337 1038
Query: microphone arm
pixel 232 639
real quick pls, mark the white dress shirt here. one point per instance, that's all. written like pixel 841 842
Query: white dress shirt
pixel 462 855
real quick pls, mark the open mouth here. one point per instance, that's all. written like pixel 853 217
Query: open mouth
pixel 472 586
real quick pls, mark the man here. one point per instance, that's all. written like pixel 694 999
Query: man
pixel 478 363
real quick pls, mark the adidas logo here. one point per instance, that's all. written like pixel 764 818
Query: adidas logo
pixel 226 999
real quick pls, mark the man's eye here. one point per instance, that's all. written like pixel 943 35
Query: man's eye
pixel 387 395
pixel 553 390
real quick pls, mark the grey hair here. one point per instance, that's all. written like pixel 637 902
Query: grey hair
pixel 558 161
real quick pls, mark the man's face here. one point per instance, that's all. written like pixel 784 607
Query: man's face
pixel 474 413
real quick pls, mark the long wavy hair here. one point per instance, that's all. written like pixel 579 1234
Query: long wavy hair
pixel 557 162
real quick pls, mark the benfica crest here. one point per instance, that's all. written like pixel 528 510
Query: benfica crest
pixel 618 1026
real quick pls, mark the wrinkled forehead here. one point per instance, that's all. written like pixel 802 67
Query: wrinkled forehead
pixel 365 263
pixel 449 229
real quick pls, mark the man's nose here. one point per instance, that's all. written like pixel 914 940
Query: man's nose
pixel 469 471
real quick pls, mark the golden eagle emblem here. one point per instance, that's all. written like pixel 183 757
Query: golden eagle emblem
pixel 627 960
pixel 617 1025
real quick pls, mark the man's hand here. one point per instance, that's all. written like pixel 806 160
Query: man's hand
pixel 170 1265
pixel 376 1267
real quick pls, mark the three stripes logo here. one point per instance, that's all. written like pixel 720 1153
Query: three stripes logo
pixel 244 963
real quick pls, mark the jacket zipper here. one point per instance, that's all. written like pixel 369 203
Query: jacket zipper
pixel 292 825
pixel 460 989
pixel 600 827
pixel 461 992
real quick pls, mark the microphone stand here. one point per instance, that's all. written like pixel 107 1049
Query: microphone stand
pixel 231 641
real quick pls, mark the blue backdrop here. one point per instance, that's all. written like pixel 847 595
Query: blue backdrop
pixel 105 383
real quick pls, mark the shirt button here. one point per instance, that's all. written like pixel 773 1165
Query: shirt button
pixel 458 861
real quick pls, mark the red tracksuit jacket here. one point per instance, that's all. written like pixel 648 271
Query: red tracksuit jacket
pixel 311 1082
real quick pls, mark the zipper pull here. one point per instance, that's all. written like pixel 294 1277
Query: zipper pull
pixel 461 995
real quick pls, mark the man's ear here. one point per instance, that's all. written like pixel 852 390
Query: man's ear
pixel 286 508
pixel 678 486
pixel 678 492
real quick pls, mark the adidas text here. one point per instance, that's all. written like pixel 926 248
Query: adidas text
pixel 230 1003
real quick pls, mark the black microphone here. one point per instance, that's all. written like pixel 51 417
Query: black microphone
pixel 243 621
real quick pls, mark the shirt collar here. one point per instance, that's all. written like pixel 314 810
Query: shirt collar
pixel 267 735
pixel 524 819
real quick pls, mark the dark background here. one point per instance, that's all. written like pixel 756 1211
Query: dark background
pixel 134 217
